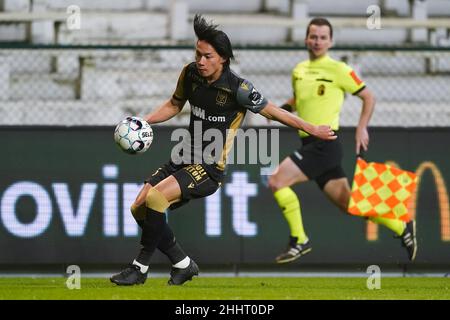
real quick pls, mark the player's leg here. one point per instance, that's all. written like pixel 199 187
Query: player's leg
pixel 173 190
pixel 195 183
pixel 285 175
pixel 168 243
pixel 138 206
pixel 157 200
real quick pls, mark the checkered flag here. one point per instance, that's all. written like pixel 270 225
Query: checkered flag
pixel 381 190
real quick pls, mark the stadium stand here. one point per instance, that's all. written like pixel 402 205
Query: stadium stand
pixel 63 82
pixel 167 21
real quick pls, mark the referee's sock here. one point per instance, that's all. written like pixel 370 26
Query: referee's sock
pixel 290 206
pixel 397 226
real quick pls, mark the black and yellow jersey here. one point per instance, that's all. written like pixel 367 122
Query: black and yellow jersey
pixel 319 88
pixel 217 111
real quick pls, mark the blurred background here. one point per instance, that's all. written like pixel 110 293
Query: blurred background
pixel 71 70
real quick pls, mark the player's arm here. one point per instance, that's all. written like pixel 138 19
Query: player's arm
pixel 362 135
pixel 272 112
pixel 165 111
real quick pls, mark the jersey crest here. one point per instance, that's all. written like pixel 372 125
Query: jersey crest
pixel 221 98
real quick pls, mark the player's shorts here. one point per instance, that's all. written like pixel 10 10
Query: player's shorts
pixel 320 160
pixel 193 179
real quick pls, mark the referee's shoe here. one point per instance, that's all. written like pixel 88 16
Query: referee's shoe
pixel 294 251
pixel 179 276
pixel 129 276
pixel 409 240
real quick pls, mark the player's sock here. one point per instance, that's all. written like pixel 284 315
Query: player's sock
pixel 154 224
pixel 151 235
pixel 170 247
pixel 290 205
pixel 168 244
pixel 142 267
pixel 397 226
pixel 183 264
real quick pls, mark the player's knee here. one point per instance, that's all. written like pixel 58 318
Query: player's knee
pixel 156 200
pixel 138 211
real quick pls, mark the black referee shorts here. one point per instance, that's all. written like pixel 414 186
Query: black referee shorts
pixel 320 160
pixel 193 179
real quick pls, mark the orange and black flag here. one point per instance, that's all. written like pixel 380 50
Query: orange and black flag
pixel 381 190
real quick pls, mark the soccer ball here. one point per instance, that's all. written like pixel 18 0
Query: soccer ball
pixel 133 135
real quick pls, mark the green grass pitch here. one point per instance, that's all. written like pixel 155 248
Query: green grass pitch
pixel 228 288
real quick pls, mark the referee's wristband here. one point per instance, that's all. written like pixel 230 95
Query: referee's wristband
pixel 286 107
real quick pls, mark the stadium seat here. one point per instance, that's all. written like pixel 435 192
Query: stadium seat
pixel 345 7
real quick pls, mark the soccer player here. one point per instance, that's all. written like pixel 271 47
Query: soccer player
pixel 219 100
pixel 319 84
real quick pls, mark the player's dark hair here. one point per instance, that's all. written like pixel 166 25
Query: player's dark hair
pixel 216 38
pixel 320 22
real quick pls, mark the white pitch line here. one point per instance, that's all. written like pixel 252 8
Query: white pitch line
pixel 242 275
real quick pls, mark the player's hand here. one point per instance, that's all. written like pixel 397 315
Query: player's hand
pixel 362 139
pixel 324 132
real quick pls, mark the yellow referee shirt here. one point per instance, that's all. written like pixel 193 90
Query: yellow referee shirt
pixel 319 88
